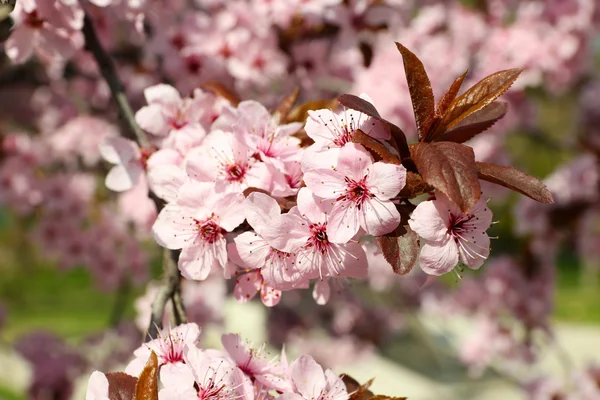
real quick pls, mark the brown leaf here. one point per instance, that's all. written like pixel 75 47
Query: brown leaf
pixel 415 186
pixel 300 112
pixel 480 95
pixel 363 106
pixel 355 389
pixel 442 108
pixel 382 397
pixel 516 180
pixel 475 123
pixel 121 386
pixel 450 168
pixel 377 149
pixel 401 247
pixel 420 90
pixel 222 91
pixel 147 384
pixel 283 109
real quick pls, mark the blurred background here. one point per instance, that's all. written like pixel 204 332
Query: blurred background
pixel 78 268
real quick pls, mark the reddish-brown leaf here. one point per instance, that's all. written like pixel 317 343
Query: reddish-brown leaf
pixel 516 180
pixel 450 168
pixel 355 389
pixel 382 397
pixel 436 128
pixel 363 106
pixel 300 112
pixel 475 123
pixel 400 248
pixel 283 109
pixel 222 91
pixel 415 186
pixel 121 386
pixel 480 95
pixel 420 90
pixel 377 149
pixel 147 384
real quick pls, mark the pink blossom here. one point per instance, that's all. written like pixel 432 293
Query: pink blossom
pixel 126 156
pixel 312 383
pixel 361 192
pixel 304 231
pixel 169 348
pixel 252 362
pixel 331 131
pixel 450 234
pixel 197 223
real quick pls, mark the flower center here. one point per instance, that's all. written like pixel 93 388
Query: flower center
pixel 209 231
pixel 356 192
pixel 318 237
pixel 34 20
pixel 235 172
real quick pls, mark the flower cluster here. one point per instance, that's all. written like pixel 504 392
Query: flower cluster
pixel 237 372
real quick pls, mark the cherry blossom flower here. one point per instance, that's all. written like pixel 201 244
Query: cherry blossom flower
pixel 303 230
pixel 169 348
pixel 360 191
pixel 127 157
pixel 450 234
pixel 197 223
pixel 97 388
pixel 312 383
pixel 331 131
pixel 252 362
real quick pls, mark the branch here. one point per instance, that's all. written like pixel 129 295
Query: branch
pixel 170 288
pixel 109 73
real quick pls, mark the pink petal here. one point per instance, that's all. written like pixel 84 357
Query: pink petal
pixel 321 292
pixel 474 249
pixel 250 250
pixel 319 126
pixel 236 348
pixel 438 258
pixel 151 119
pixel 174 227
pixel 379 217
pixel 163 94
pixel 353 161
pixel 386 180
pixel 308 377
pixel 430 221
pixel 176 375
pixel 313 208
pixel 287 233
pixel 325 183
pixel 315 157
pixel 195 194
pixel 121 178
pixel 260 210
pixel 118 150
pixel 166 181
pixel 246 286
pixel 19 45
pixel 97 388
pixel 229 209
pixel 196 261
pixel 343 222
pixel 269 296
pixel 354 261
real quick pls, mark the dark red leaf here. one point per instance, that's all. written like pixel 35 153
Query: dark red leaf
pixel 480 95
pixel 475 123
pixel 377 149
pixel 516 180
pixel 450 168
pixel 420 90
pixel 147 384
pixel 355 389
pixel 382 397
pixel 300 112
pixel 442 108
pixel 121 386
pixel 363 106
pixel 401 247
pixel 283 109
pixel 415 186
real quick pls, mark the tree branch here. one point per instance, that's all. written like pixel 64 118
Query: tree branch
pixel 109 73
pixel 170 288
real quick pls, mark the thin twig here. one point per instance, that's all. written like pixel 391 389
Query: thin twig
pixel 109 73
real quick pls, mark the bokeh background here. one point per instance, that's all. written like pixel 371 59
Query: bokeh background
pixel 78 268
